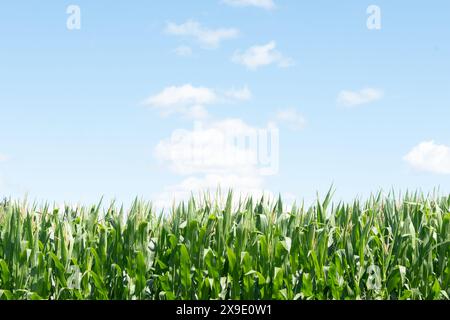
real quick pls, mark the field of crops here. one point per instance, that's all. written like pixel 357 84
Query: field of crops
pixel 384 248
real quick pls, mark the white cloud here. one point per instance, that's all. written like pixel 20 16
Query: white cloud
pixel 183 51
pixel 430 157
pixel 292 118
pixel 356 98
pixel 191 101
pixel 262 55
pixel 265 4
pixel 186 100
pixel 210 38
pixel 218 154
pixel 3 158
pixel 243 94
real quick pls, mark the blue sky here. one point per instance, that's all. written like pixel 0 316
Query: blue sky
pixel 90 112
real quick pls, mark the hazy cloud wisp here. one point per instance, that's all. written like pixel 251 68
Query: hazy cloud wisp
pixel 431 157
pixel 262 55
pixel 264 4
pixel 351 99
pixel 210 38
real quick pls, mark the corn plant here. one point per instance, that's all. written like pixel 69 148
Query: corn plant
pixel 386 247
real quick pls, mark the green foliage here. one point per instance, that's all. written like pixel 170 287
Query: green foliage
pixel 385 248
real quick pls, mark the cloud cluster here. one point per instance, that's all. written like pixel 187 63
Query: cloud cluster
pixel 253 58
pixel 262 55
pixel 430 157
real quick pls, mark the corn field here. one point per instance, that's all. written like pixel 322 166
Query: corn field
pixel 386 247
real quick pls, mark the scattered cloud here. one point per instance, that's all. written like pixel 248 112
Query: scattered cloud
pixel 243 94
pixel 183 51
pixel 192 102
pixel 265 4
pixel 210 38
pixel 348 98
pixel 3 158
pixel 291 118
pixel 262 55
pixel 431 157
